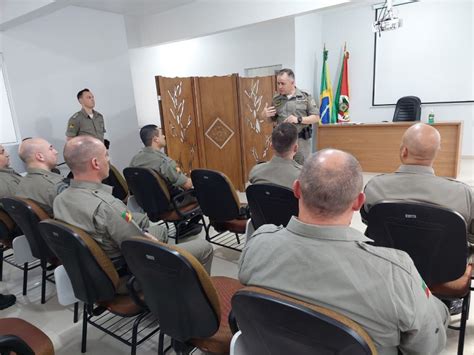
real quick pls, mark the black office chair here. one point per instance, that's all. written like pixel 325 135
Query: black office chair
pixel 274 324
pixel 95 281
pixel 271 204
pixel 116 180
pixel 20 337
pixel 27 214
pixel 192 307
pixel 408 108
pixel 436 240
pixel 220 203
pixel 152 195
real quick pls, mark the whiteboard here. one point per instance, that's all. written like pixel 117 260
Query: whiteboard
pixel 431 56
pixel 7 126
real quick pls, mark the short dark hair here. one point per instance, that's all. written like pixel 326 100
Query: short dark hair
pixel 284 136
pixel 80 93
pixel 288 72
pixel 147 133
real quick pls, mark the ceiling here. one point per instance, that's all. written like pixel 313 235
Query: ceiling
pixel 16 12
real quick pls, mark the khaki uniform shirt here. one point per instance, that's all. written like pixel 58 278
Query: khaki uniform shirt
pixel 9 180
pixel 154 159
pixel 419 184
pixel 301 104
pixel 42 186
pixel 81 124
pixel 92 208
pixel 334 267
pixel 277 171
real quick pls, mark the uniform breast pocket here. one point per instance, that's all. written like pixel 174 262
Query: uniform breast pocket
pixel 301 105
pixel 101 126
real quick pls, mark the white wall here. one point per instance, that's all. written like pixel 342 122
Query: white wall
pixel 205 17
pixel 268 43
pixel 354 27
pixel 50 59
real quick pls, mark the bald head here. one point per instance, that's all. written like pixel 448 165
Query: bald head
pixel 420 144
pixel 84 154
pixel 330 181
pixel 39 153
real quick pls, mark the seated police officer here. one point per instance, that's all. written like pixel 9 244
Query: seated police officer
pixel 292 105
pixel 281 169
pixel 9 178
pixel 318 258
pixel 89 205
pixel 152 157
pixel 415 179
pixel 40 184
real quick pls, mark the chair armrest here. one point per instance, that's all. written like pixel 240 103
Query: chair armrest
pixel 174 202
pixel 234 328
pixel 14 343
pixel 133 293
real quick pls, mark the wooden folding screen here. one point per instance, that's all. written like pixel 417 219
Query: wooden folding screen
pixel 254 93
pixel 218 113
pixel 178 118
pixel 214 122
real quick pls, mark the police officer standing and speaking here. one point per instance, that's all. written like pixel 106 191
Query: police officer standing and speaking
pixel 293 106
pixel 87 121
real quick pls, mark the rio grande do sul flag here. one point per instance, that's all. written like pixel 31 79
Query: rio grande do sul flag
pixel 326 99
pixel 341 101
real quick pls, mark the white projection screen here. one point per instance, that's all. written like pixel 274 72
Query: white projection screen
pixel 431 56
pixel 7 127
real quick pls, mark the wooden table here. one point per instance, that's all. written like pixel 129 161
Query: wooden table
pixel 377 145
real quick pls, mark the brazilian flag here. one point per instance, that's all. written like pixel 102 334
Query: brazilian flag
pixel 326 98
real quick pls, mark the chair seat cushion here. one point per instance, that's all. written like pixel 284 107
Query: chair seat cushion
pixel 234 225
pixel 219 343
pixel 122 305
pixel 33 336
pixel 174 216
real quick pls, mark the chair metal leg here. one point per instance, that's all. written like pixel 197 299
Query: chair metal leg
pixel 84 330
pixel 134 333
pixel 43 284
pixel 161 340
pixel 2 249
pixel 25 277
pixel 76 312
pixel 238 239
pixel 462 327
pixel 177 228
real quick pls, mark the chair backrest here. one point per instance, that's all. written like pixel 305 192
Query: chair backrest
pixel 176 287
pixel 271 204
pixel 27 214
pixel 434 237
pixel 149 189
pixel 408 108
pixel 116 180
pixel 92 274
pixel 272 323
pixel 216 195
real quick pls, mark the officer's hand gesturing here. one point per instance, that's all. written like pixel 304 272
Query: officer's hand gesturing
pixel 269 111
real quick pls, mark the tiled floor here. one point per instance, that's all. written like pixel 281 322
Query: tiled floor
pixel 56 320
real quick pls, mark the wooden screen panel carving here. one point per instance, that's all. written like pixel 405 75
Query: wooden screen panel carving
pixel 178 118
pixel 254 93
pixel 217 110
